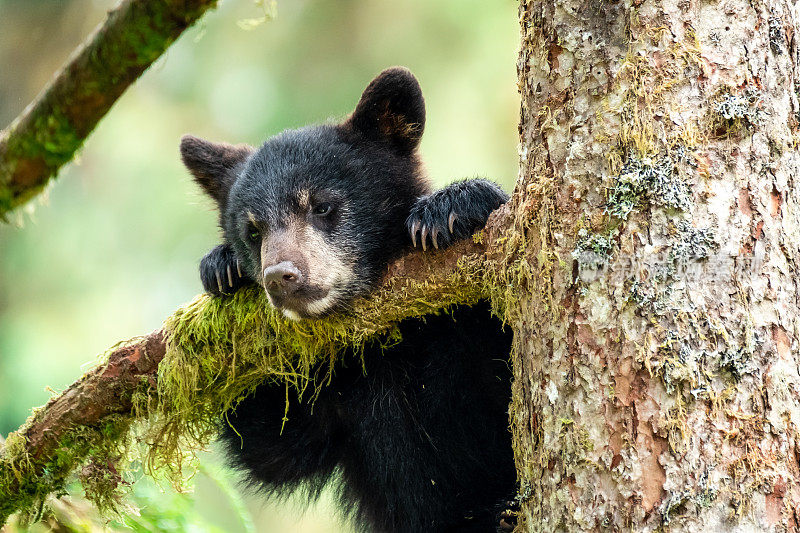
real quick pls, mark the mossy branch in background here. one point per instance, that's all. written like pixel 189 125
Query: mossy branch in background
pixel 177 381
pixel 52 128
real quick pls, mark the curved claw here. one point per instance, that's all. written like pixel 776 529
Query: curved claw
pixel 230 277
pixel 451 220
pixel 219 280
pixel 434 235
pixel 424 237
pixel 238 268
pixel 414 229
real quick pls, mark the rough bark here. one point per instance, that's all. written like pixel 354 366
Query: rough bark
pixel 52 128
pixel 656 352
pixel 88 424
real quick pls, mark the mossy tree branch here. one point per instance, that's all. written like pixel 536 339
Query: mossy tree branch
pixel 208 354
pixel 52 128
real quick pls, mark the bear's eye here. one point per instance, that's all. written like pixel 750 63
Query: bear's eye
pixel 322 209
pixel 253 234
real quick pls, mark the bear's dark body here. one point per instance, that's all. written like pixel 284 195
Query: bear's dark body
pixel 418 436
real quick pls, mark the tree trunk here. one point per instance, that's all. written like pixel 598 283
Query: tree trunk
pixel 656 256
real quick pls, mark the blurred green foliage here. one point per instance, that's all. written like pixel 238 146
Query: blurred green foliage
pixel 113 247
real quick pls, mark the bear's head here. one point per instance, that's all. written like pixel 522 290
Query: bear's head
pixel 324 206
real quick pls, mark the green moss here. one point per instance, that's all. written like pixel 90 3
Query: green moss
pixel 219 350
pixel 677 364
pixel 585 440
pixel 55 140
pixel 51 141
pixel 26 482
pixel 576 443
pixel 52 138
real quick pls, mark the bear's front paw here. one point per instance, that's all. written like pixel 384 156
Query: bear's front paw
pixel 453 213
pixel 221 272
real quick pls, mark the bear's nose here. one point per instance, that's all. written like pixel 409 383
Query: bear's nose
pixel 282 278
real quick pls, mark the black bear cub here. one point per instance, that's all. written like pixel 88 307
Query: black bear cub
pixel 417 439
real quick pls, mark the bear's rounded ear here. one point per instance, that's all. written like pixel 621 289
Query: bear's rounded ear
pixel 214 166
pixel 391 109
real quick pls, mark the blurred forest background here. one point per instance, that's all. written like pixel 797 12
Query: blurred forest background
pixel 113 246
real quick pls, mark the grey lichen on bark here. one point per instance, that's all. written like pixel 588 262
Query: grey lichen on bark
pixel 657 364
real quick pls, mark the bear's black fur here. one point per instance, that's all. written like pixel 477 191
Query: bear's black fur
pixel 417 439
